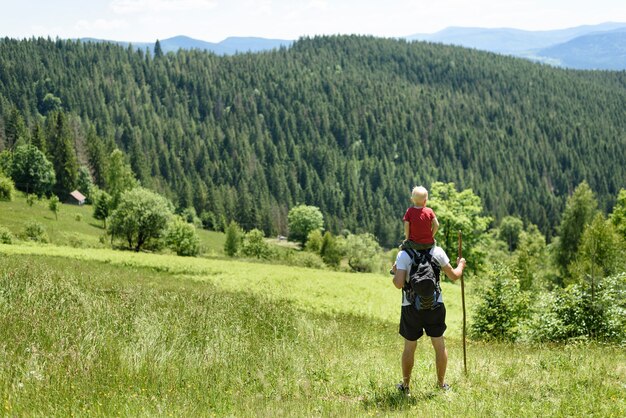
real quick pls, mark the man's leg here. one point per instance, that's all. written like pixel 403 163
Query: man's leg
pixel 441 359
pixel 408 359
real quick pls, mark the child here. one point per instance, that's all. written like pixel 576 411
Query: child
pixel 420 222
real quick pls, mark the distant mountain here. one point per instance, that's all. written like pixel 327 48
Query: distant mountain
pixel 544 46
pixel 511 41
pixel 602 51
pixel 228 46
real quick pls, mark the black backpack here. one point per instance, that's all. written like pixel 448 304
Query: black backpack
pixel 422 289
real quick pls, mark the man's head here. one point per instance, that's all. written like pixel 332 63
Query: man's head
pixel 419 196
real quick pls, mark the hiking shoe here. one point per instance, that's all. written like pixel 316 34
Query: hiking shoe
pixel 403 389
pixel 446 387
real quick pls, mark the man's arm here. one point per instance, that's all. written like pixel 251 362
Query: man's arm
pixel 399 277
pixel 454 273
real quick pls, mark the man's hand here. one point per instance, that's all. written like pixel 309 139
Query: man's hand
pixel 455 274
pixel 461 262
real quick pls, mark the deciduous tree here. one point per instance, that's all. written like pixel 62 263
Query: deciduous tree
pixel 141 215
pixel 31 171
pixel 579 211
pixel 303 219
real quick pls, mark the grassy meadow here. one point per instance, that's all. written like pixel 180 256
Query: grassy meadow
pixel 89 331
pixel 93 332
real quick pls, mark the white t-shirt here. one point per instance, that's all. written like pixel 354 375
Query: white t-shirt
pixel 403 262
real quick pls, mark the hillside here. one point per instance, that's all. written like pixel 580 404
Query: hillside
pixel 75 226
pixel 346 123
pixel 603 51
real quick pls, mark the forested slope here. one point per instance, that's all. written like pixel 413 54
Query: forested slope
pixel 345 123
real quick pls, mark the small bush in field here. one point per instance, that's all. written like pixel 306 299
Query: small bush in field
pixel 314 241
pixel 74 240
pixel 7 188
pixel 305 259
pixel 181 237
pixel 6 237
pixel 34 231
pixel 501 307
pixel 79 217
pixel 575 313
pixel 254 245
pixel 234 237
pixel 31 199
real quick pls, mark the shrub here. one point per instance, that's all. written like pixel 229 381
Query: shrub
pixel 314 241
pixel 7 188
pixel 78 217
pixel 182 238
pixel 575 313
pixel 501 307
pixel 74 240
pixel 363 252
pixel 331 251
pixel 6 237
pixel 254 245
pixel 305 259
pixel 54 205
pixel 233 239
pixel 34 231
pixel 30 199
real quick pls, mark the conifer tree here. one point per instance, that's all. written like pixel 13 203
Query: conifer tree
pixel 39 138
pixel 119 177
pixel 63 155
pixel 158 52
pixel 96 156
pixel 16 131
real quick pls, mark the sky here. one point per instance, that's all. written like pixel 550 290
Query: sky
pixel 215 20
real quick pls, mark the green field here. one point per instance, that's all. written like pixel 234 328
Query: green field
pixel 95 332
pixel 76 226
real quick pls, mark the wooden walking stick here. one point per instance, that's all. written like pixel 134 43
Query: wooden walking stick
pixel 460 253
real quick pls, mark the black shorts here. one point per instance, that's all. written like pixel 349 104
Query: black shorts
pixel 413 323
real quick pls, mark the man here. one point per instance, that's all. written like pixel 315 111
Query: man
pixel 414 322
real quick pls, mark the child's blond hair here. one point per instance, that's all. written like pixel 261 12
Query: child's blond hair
pixel 419 195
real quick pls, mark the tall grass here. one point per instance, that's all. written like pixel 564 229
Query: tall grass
pixel 127 337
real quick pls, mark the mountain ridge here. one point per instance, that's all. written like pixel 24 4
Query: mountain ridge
pixel 552 47
pixel 229 46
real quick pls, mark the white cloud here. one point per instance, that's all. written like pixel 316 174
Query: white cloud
pixel 258 6
pixel 318 5
pixel 142 6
